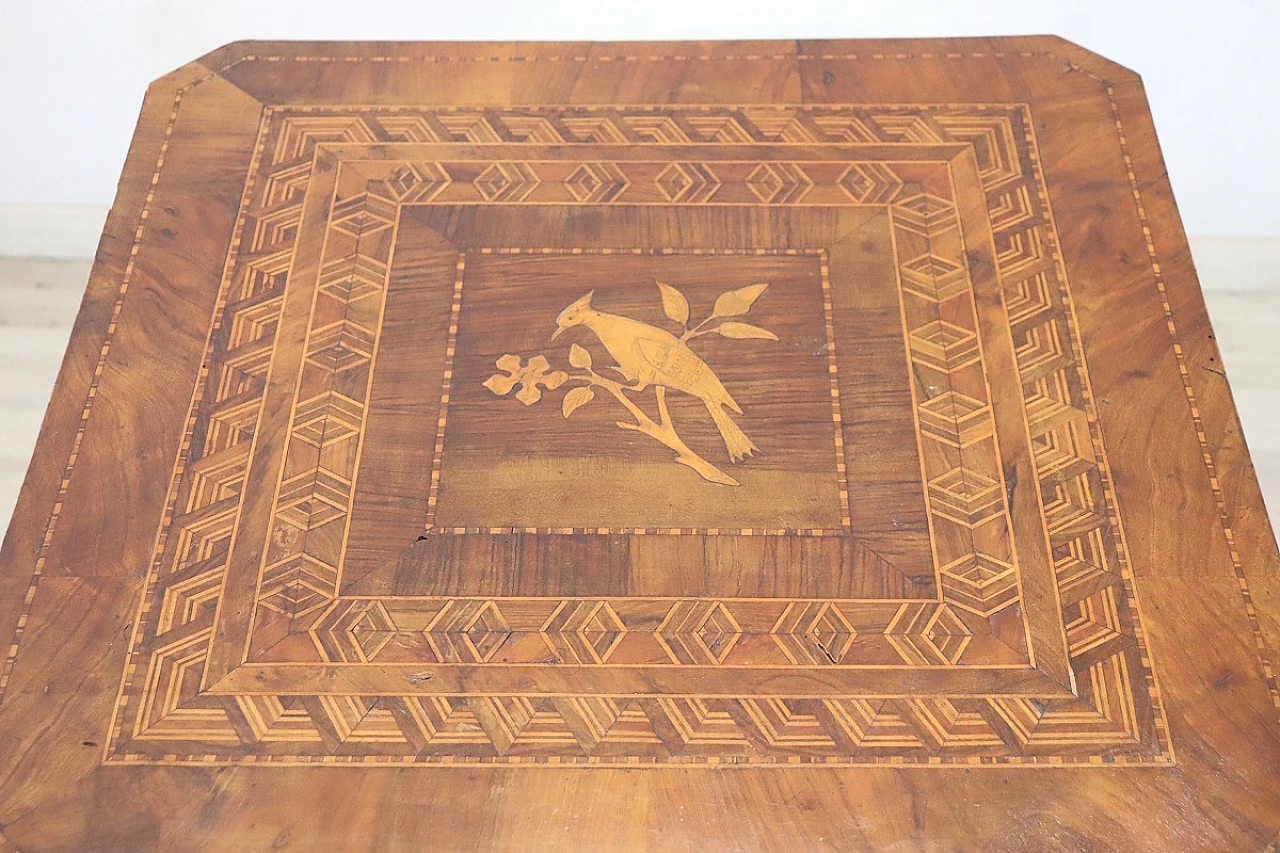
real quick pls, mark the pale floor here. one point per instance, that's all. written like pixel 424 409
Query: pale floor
pixel 39 299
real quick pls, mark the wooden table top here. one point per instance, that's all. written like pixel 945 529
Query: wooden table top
pixel 754 446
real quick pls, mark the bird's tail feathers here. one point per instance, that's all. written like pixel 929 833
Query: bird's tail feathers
pixel 735 440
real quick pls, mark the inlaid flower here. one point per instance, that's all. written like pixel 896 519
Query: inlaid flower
pixel 531 377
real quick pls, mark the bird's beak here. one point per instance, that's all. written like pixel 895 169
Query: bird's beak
pixel 557 332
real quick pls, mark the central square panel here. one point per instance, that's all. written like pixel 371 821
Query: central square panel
pixel 763 363
pixel 474 455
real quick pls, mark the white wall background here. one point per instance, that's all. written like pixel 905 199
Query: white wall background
pixel 73 73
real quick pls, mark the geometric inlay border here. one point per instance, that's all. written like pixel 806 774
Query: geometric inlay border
pixel 172 710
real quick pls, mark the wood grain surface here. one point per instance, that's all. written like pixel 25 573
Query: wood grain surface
pixel 739 446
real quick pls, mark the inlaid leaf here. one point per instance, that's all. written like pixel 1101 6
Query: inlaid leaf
pixel 735 302
pixel 576 398
pixel 500 384
pixel 674 304
pixel 744 330
pixel 579 357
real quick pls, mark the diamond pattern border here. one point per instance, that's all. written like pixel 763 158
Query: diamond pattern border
pixel 1114 716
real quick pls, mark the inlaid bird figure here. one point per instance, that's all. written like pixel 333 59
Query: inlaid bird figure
pixel 647 355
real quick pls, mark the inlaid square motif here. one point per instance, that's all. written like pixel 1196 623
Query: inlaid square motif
pixel 522 463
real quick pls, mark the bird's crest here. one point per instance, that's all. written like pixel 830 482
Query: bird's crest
pixel 574 310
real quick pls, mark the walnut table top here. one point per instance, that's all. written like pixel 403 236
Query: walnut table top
pixel 692 446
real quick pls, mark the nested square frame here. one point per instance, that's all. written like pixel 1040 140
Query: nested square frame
pixel 246 650
pixel 513 469
pixel 887 533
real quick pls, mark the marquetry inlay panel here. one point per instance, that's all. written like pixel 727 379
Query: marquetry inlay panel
pixel 336 581
pixel 779 445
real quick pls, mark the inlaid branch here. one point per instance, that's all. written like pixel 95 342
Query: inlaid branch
pixel 661 430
